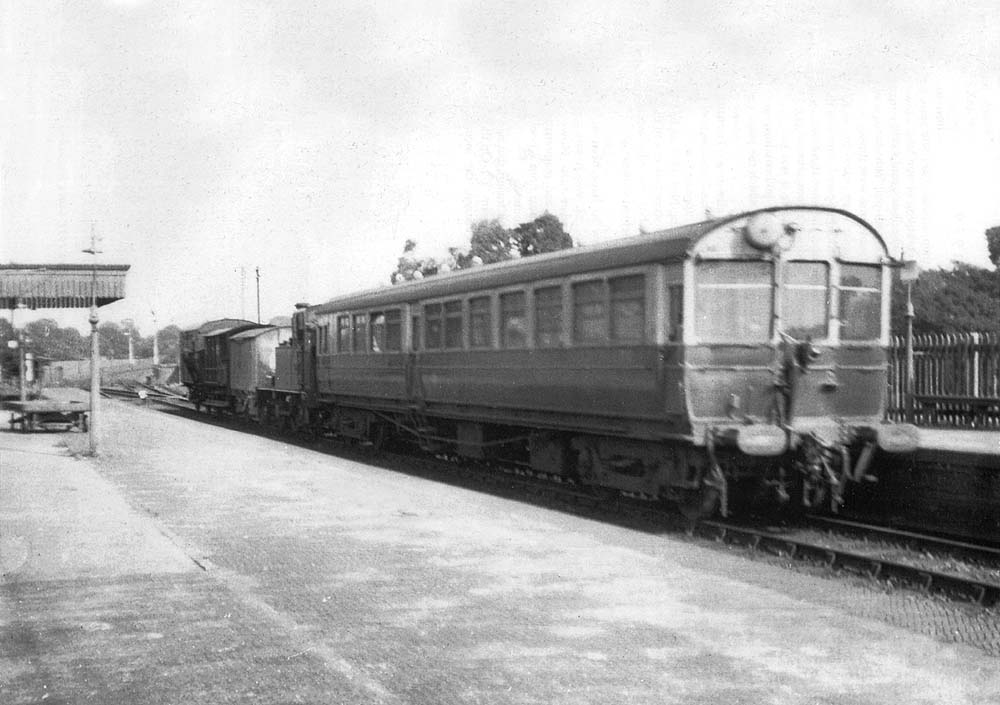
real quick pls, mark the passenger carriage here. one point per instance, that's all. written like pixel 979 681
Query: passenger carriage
pixel 669 365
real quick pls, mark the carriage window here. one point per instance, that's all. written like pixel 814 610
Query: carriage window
pixel 393 330
pixel 433 327
pixel 343 334
pixel 590 312
pixel 377 329
pixel 628 308
pixel 675 294
pixel 360 330
pixel 513 320
pixel 480 323
pixel 860 302
pixel 386 331
pixel 805 299
pixel 733 302
pixel 453 324
pixel 548 317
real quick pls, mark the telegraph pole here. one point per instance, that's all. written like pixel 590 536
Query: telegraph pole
pixel 258 294
pixel 243 292
pixel 95 347
pixel 156 344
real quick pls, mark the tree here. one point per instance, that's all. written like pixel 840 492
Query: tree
pixel 169 342
pixel 993 246
pixel 114 342
pixel 9 360
pixel 142 347
pixel 413 266
pixel 962 299
pixel 490 242
pixel 543 234
pixel 51 341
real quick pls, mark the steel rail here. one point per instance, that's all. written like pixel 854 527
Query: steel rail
pixel 972 551
pixel 931 581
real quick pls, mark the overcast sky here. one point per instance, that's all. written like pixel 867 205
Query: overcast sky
pixel 310 139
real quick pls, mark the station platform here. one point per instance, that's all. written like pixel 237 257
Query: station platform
pixel 960 441
pixel 199 564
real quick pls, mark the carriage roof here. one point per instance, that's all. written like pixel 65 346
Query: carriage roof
pixel 257 332
pixel 218 325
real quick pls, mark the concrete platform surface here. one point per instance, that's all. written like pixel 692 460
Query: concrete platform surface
pixel 985 442
pixel 195 564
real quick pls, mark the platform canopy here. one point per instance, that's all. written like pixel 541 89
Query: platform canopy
pixel 37 286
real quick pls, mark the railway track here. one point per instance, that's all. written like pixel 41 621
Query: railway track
pixel 897 559
pixel 924 563
pixel 151 393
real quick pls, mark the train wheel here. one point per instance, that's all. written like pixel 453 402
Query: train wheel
pixel 701 503
pixel 269 417
pixel 300 424
pixel 378 435
pixel 814 494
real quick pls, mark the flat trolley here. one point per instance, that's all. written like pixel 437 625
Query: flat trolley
pixel 47 415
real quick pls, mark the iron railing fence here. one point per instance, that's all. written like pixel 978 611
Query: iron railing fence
pixel 956 382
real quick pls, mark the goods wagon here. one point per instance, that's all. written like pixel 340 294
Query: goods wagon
pixel 205 353
pixel 252 364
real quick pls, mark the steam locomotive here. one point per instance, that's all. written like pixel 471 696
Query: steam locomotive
pixel 725 362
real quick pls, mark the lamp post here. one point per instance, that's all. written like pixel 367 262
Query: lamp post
pixel 95 376
pixel 95 349
pixel 908 274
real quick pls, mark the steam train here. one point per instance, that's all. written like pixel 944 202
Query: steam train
pixel 730 361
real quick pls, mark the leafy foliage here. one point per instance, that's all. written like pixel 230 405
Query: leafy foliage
pixel 962 299
pixel 169 344
pixel 414 266
pixel 993 245
pixel 489 243
pixel 543 234
pixel 45 338
pixel 50 340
